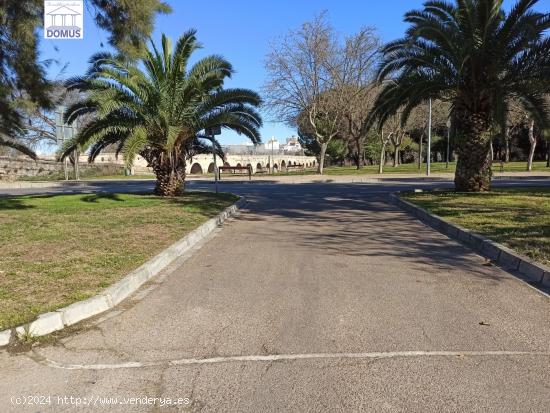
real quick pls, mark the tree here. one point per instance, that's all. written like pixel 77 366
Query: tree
pixel 356 77
pixel 357 106
pixel 300 68
pixel 314 75
pixel 417 122
pixel 478 57
pixel 337 151
pixel 159 111
pixel 128 21
pixel 391 132
pixel 515 118
pixel 518 118
pixel 19 67
pixel 533 140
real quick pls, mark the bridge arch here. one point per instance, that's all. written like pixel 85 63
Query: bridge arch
pixel 196 169
pixel 211 168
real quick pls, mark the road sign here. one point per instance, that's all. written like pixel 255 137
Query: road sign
pixel 215 130
pixel 63 131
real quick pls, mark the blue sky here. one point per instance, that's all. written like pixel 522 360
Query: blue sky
pixel 240 30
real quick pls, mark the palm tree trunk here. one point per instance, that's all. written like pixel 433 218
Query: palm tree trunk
pixel 473 169
pixel 170 173
pixel 170 183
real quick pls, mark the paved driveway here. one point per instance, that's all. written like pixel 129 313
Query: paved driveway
pixel 316 298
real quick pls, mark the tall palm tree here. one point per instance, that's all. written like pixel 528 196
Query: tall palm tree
pixel 158 109
pixel 478 57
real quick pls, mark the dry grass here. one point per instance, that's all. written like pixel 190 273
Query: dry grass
pixel 55 250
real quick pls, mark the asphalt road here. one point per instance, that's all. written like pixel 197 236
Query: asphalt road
pixel 317 297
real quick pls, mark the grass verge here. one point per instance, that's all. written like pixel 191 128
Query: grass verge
pixel 516 217
pixel 58 249
pixel 436 167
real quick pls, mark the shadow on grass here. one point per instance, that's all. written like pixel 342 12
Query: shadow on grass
pixel 13 204
pixel 207 203
pixel 101 196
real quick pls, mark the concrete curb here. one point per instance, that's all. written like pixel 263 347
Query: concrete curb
pixel 57 320
pixel 507 259
pixel 5 337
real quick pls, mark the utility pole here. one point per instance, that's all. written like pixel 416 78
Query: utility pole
pixel 448 139
pixel 429 139
pixel 272 157
pixel 215 172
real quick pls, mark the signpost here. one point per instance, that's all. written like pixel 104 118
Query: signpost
pixel 212 132
pixel 63 133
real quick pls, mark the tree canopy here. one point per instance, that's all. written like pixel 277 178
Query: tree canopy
pixel 23 74
pixel 478 57
pixel 159 107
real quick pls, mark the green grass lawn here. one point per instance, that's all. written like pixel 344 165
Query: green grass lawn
pixel 518 218
pixel 436 167
pixel 58 249
pixel 412 168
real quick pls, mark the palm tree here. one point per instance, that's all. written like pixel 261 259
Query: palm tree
pixel 159 110
pixel 477 57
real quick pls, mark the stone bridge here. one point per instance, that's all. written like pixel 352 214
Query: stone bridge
pixel 202 164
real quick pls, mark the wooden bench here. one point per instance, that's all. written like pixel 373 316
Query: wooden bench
pixel 299 166
pixel 235 169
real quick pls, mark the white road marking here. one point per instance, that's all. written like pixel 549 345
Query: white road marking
pixel 282 357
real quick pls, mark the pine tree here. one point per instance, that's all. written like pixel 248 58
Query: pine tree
pixel 22 72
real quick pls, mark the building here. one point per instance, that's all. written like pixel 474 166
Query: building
pixel 272 145
pixel 292 145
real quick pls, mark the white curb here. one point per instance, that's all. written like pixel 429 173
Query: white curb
pixel 5 337
pixel 49 322
pixel 45 324
pixel 83 309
